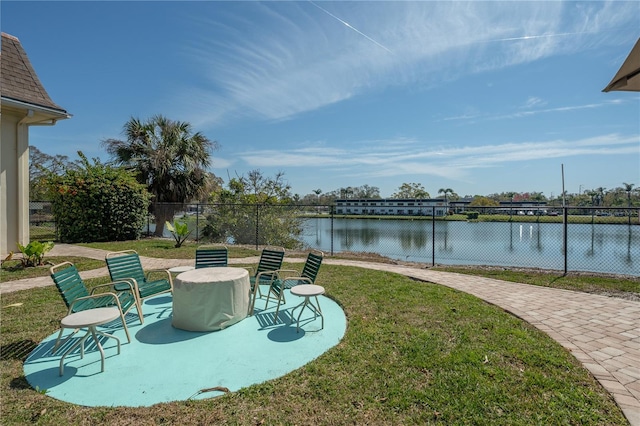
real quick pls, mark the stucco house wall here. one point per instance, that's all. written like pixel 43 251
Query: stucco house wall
pixel 23 103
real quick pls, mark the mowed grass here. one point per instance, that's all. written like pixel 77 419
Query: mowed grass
pixel 165 248
pixel 625 287
pixel 414 353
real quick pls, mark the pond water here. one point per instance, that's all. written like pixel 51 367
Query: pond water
pixel 593 248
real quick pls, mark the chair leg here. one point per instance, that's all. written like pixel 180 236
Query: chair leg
pixel 55 347
pixel 139 309
pixel 275 316
pixel 252 300
pixel 124 325
pixel 266 305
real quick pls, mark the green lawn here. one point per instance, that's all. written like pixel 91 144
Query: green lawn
pixel 414 353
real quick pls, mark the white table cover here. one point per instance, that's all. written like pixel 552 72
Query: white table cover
pixel 208 299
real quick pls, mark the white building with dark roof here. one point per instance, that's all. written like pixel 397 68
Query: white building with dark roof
pixel 24 103
pixel 393 206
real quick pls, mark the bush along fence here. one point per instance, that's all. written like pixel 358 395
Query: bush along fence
pixel 568 239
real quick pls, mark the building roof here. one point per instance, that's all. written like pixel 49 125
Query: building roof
pixel 18 79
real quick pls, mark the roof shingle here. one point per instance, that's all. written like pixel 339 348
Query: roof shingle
pixel 18 79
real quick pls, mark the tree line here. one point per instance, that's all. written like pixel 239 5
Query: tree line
pixel 627 195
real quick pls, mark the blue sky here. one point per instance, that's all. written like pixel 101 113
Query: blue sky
pixel 479 97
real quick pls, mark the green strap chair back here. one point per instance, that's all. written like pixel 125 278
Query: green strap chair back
pixel 126 264
pixel 68 282
pixel 211 256
pixel 312 266
pixel 270 260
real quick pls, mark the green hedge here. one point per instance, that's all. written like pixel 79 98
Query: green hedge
pixel 98 202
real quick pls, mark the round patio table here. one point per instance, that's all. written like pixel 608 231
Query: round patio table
pixel 308 291
pixel 89 319
pixel 209 299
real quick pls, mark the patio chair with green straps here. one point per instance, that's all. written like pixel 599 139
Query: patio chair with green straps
pixel 78 298
pixel 271 260
pixel 126 265
pixel 209 256
pixel 287 278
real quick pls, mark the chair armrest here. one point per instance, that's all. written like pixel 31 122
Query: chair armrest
pixel 271 274
pixel 130 282
pixel 281 271
pixel 95 296
pixel 297 279
pixel 160 271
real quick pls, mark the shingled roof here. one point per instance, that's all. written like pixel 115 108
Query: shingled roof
pixel 18 79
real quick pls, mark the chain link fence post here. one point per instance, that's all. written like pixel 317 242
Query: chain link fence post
pixel 332 210
pixel 433 236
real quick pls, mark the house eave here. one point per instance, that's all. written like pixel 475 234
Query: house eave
pixel 40 115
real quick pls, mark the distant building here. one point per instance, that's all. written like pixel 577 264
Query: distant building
pixel 527 207
pixel 393 206
pixel 460 205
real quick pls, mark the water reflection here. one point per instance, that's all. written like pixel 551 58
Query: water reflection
pixel 590 247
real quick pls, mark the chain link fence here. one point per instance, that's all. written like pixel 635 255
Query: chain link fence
pixel 568 239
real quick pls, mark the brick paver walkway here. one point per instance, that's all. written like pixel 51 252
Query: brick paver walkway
pixel 601 332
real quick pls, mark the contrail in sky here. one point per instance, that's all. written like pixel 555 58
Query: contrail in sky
pixel 349 26
pixel 535 36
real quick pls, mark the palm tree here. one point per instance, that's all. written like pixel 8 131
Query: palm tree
pixel 446 192
pixel 317 192
pixel 593 194
pixel 170 159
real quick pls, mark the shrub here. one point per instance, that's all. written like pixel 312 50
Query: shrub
pixel 98 202
pixel 255 210
pixel 472 215
pixel 179 230
pixel 33 253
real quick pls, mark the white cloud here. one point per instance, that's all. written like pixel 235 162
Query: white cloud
pixel 529 110
pixel 283 59
pixel 455 163
pixel 533 102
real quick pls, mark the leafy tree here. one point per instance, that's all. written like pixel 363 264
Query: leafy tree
pixel 411 190
pixel 537 196
pixel 367 191
pixel 255 206
pixel 97 202
pixel 42 165
pixel 170 159
pixel 480 201
pixel 364 191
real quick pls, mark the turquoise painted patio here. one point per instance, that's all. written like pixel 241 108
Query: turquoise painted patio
pixel 163 364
